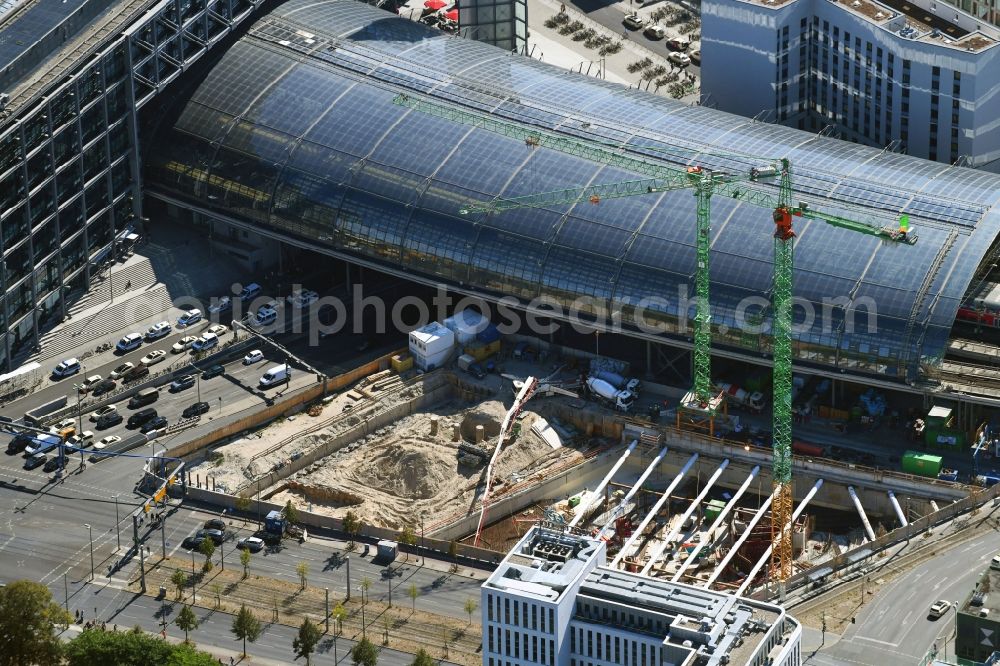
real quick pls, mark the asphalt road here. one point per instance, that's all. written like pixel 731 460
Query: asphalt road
pixel 892 628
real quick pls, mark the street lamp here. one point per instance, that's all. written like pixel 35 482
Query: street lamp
pixel 118 530
pixel 90 530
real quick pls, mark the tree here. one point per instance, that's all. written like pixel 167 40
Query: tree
pixel 366 584
pixel 242 505
pixel 28 617
pixel 131 648
pixel 186 621
pixel 413 592
pixel 422 658
pixel 245 556
pixel 364 653
pixel 305 643
pixel 407 537
pixel 352 526
pixel 291 513
pixel 337 614
pixel 302 569
pixel 470 607
pixel 246 626
pixel 207 548
pixel 179 579
pixel 217 591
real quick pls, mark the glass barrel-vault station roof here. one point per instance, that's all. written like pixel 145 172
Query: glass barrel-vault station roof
pixel 294 129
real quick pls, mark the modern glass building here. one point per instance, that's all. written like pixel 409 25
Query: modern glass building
pixel 72 78
pixel 294 134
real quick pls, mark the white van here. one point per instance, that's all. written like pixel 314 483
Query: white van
pixel 252 290
pixel 206 341
pixel 995 563
pixel 276 375
pixel 264 317
pixel 129 342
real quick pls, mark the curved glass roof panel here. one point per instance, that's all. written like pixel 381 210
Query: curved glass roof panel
pixel 294 127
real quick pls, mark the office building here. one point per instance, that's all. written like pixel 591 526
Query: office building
pixel 553 602
pixel 919 77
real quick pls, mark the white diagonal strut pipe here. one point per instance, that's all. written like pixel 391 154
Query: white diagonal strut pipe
pixel 655 510
pixel 620 509
pixel 601 486
pixel 934 506
pixel 739 542
pixel 767 553
pixel 718 521
pixel 680 523
pixel 861 512
pixel 899 509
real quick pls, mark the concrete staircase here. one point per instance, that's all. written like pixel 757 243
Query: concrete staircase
pixel 121 316
pixel 138 274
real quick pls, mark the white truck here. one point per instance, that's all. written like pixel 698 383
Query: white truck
pixel 741 397
pixel 620 399
pixel 619 382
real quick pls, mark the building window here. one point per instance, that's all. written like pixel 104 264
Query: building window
pixel 506 611
pixel 489 607
pixel 534 617
pixel 552 623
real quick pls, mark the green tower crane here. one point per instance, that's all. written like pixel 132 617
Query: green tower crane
pixel 662 178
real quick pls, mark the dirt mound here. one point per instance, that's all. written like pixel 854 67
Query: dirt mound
pixel 407 469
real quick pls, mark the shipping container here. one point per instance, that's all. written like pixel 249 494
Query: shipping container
pixel 431 346
pixel 401 363
pixel 808 449
pixel 466 325
pixel 713 509
pixel 482 350
pixel 921 464
pixel 488 334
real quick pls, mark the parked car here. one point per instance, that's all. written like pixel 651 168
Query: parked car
pixel 106 442
pixel 214 371
pixel 65 423
pixel 34 461
pixel 155 423
pixel 107 409
pixel 81 441
pixel 253 544
pixel 129 342
pixel 192 542
pixel 120 371
pixel 254 356
pixel 634 21
pixel 695 57
pixel 183 344
pixel 205 342
pixel 221 305
pixel 89 383
pixel 215 524
pixel 153 357
pixel 67 367
pixel 679 59
pixel 218 329
pixel 106 386
pixel 252 290
pixel 655 31
pixel 181 383
pixel 190 317
pixel 51 465
pixel 217 536
pixel 109 421
pixel 197 409
pixel 303 299
pixel 136 373
pixel 678 44
pixel 19 443
pixel 477 371
pixel 158 330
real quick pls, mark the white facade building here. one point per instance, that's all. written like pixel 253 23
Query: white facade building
pixel 919 76
pixel 553 602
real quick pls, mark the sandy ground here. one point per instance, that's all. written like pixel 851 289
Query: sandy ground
pixel 402 473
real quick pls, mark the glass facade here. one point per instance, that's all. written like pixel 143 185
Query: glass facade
pixel 294 129
pixel 69 160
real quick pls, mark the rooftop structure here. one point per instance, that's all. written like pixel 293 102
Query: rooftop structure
pixel 589 612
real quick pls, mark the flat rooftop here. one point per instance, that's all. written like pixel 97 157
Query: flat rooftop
pixel 915 22
pixel 719 627
pixel 985 596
